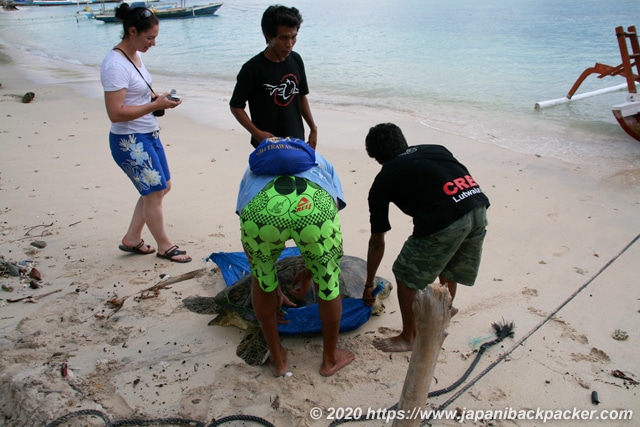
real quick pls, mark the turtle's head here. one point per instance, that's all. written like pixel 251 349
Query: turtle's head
pixel 387 287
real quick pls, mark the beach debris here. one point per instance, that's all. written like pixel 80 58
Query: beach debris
pixel 117 303
pixel 594 397
pixel 33 298
pixel 620 335
pixel 40 244
pixel 35 274
pixel 27 234
pixel 28 97
pixel 151 293
pixel 619 374
pixel 467 354
pixel 33 227
pixel 276 403
pixel 9 268
pixel 167 280
pixel 30 276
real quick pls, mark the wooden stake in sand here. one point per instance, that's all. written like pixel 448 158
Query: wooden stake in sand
pixel 433 311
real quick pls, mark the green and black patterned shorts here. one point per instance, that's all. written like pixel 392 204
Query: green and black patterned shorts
pixel 291 207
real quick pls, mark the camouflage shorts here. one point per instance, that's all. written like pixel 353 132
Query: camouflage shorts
pixel 453 253
pixel 290 207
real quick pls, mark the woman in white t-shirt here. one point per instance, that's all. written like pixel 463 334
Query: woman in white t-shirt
pixel 132 106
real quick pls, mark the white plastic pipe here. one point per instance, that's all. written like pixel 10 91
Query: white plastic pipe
pixel 553 102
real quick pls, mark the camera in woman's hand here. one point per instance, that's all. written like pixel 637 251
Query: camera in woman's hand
pixel 157 113
pixel 173 96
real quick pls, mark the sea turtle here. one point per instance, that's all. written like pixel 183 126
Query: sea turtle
pixel 233 304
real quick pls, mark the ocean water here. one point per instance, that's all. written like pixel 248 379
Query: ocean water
pixel 467 67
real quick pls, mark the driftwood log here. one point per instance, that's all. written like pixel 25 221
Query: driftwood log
pixel 433 311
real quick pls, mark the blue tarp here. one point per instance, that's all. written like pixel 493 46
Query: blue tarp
pixel 302 320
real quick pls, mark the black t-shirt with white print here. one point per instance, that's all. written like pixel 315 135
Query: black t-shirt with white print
pixel 273 91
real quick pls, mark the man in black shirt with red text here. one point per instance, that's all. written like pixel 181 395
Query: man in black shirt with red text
pixel 448 209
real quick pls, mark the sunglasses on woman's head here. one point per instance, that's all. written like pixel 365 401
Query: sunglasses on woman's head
pixel 146 13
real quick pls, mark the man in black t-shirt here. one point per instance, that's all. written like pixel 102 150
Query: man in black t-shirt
pixel 448 209
pixel 274 83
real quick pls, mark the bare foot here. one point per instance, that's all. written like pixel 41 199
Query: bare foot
pixel 343 358
pixel 393 344
pixel 278 367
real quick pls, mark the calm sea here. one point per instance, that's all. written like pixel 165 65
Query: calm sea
pixel 469 67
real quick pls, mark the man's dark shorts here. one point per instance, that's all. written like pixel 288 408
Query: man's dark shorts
pixel 453 253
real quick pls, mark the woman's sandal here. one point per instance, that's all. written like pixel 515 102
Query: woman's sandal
pixel 137 249
pixel 173 252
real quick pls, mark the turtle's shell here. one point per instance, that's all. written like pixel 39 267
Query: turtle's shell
pixel 236 299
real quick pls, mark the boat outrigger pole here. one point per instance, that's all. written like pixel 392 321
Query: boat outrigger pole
pixel 628 113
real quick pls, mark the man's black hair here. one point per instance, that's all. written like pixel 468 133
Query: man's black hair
pixel 277 15
pixel 385 141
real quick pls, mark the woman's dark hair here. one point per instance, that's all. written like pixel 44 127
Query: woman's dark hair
pixel 139 18
pixel 277 15
pixel 384 142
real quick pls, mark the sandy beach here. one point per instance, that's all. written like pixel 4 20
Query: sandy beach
pixel 560 261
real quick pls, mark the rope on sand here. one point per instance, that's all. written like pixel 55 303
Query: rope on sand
pixel 157 422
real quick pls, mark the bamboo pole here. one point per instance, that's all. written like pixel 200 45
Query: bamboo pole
pixel 553 102
pixel 433 311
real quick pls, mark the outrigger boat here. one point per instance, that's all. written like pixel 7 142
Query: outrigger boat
pixel 628 113
pixel 163 11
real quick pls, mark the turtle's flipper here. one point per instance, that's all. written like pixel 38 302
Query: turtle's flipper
pixel 231 319
pixel 253 348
